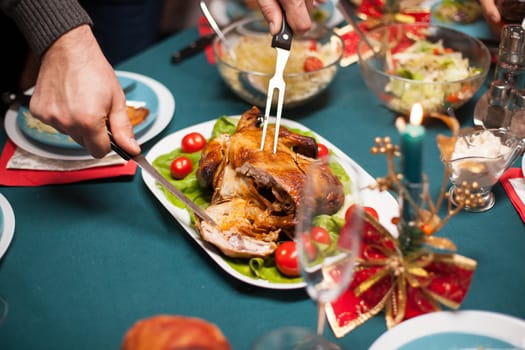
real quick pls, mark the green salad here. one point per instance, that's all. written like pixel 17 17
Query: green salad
pixel 432 75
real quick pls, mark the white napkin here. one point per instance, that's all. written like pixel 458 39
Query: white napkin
pixel 514 184
pixel 24 160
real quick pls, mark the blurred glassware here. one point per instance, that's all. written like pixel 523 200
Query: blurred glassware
pixel 327 266
pixel 288 338
pixel 510 65
pixel 480 157
pixel 329 225
pixel 516 114
pixel 4 308
pixel 492 109
pixel 499 95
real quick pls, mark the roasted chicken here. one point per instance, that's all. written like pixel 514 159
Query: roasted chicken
pixel 255 193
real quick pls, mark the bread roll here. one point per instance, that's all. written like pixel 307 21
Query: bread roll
pixel 169 332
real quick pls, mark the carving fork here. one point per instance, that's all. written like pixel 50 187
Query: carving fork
pixel 282 41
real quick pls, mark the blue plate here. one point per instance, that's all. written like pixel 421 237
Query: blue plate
pixel 477 29
pixel 454 330
pixel 456 341
pixel 136 91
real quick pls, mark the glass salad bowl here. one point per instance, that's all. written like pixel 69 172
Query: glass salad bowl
pixel 246 62
pixel 436 66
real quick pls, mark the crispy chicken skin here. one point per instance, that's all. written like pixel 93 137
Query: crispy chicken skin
pixel 255 193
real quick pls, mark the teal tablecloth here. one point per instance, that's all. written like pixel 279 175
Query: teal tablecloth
pixel 89 259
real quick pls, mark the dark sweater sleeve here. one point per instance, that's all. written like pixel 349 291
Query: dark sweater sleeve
pixel 42 22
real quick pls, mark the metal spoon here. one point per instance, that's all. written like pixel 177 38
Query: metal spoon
pixel 216 28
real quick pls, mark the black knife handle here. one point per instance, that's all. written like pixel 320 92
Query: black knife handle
pixel 283 39
pixel 125 155
pixel 9 98
pixel 193 48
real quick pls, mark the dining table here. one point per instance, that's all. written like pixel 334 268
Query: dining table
pixel 89 259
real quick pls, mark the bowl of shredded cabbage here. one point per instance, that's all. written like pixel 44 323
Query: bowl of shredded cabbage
pixel 246 61
pixel 434 65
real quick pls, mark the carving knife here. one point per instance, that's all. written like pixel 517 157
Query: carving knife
pixel 143 163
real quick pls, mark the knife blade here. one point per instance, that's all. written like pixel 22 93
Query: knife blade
pixel 143 163
pixel 193 48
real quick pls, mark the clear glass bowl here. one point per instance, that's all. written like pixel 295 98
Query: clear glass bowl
pixel 480 157
pixel 398 93
pixel 249 68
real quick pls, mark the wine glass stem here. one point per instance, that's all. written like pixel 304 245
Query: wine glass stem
pixel 3 309
pixel 321 317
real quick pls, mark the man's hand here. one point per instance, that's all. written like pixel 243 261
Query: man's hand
pixel 78 93
pixel 492 16
pixel 297 14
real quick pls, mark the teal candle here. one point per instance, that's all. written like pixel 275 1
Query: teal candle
pixel 412 147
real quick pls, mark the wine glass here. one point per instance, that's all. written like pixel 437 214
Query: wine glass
pixel 328 236
pixel 327 247
pixel 3 309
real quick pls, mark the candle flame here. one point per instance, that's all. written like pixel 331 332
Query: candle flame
pixel 416 114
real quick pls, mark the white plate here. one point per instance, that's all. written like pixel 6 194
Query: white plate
pixel 446 330
pixel 221 12
pixel 523 164
pixel 382 201
pixel 7 224
pixel 166 109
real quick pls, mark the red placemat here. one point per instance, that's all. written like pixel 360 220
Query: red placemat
pixel 22 177
pixel 205 29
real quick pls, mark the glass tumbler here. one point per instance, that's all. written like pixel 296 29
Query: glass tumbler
pixel 516 114
pixel 498 99
pixel 510 66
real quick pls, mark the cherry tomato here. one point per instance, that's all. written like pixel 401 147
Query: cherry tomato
pixel 322 150
pixel 286 259
pixel 454 98
pixel 312 63
pixel 350 211
pixel 180 167
pixel 310 248
pixel 320 235
pixel 345 238
pixel 372 212
pixel 313 45
pixel 193 142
